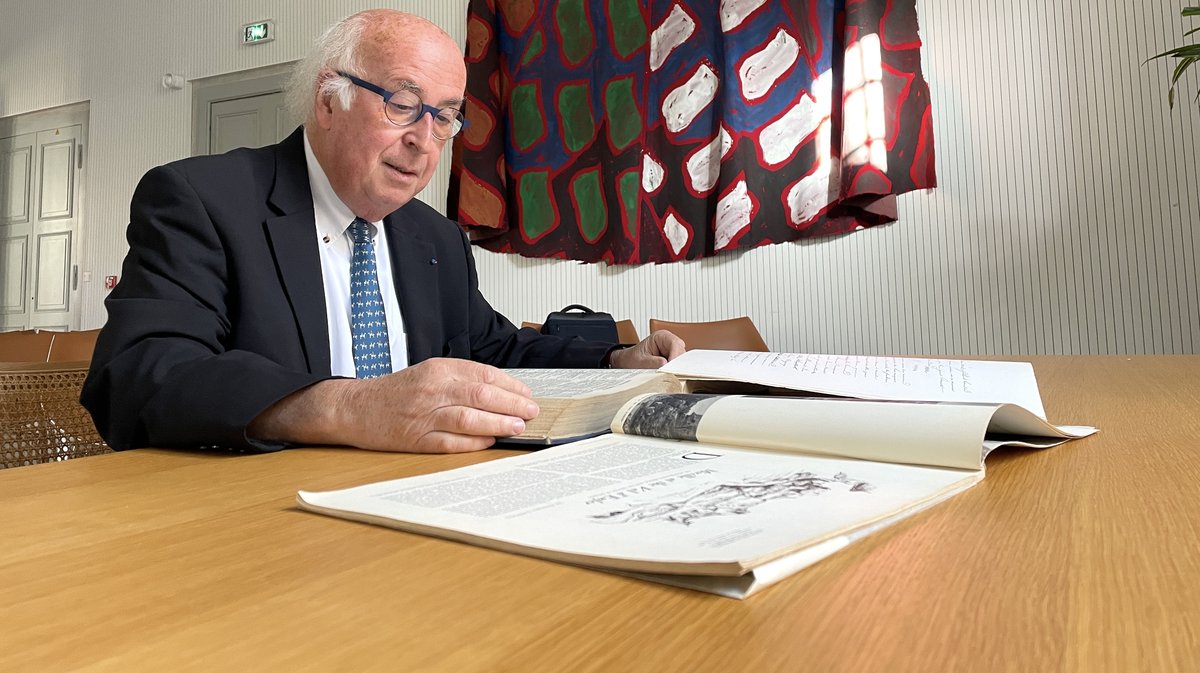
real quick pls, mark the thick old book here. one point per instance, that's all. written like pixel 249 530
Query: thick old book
pixel 730 493
pixel 580 403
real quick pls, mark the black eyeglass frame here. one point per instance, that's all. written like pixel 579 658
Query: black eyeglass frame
pixel 425 107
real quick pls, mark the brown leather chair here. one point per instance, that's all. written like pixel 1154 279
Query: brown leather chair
pixel 73 346
pixel 626 332
pixel 30 345
pixel 734 334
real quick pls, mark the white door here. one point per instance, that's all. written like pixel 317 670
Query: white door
pixel 252 121
pixel 39 224
pixel 242 109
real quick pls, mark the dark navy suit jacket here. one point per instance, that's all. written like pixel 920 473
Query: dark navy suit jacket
pixel 220 310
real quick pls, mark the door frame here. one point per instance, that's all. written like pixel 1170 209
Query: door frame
pixel 231 86
pixel 71 114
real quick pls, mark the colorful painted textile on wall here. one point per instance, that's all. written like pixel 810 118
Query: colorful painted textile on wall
pixel 633 131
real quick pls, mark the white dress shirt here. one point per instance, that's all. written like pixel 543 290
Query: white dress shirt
pixel 337 247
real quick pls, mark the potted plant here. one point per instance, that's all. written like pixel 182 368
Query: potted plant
pixel 1186 55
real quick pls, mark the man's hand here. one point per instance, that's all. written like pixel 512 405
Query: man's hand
pixel 653 352
pixel 441 405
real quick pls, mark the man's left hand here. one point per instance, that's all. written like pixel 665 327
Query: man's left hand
pixel 653 352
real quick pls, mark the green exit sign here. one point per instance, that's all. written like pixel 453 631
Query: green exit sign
pixel 259 32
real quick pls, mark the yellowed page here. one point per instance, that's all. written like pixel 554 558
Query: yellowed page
pixel 913 433
pixel 920 434
pixel 581 383
pixel 942 434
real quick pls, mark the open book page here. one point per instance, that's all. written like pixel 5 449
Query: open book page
pixel 870 377
pixel 581 383
pixel 648 505
pixel 941 434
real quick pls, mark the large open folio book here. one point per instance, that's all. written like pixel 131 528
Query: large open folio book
pixel 720 493
pixel 862 376
pixel 579 403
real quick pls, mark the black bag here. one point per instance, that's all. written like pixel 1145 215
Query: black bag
pixel 586 323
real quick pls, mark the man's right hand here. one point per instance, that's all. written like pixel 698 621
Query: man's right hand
pixel 442 405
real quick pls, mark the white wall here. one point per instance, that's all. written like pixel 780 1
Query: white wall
pixel 1066 220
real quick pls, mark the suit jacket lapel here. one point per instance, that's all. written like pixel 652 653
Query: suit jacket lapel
pixel 414 268
pixel 292 237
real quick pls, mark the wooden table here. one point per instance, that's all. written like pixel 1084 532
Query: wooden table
pixel 1085 557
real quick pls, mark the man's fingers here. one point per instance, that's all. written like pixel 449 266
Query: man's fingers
pixel 668 344
pixel 490 398
pixel 652 352
pixel 453 369
pixel 448 382
pixel 502 379
pixel 439 406
pixel 447 442
pixel 463 420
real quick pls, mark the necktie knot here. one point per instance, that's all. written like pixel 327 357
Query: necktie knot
pixel 360 230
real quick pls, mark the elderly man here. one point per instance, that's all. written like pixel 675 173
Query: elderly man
pixel 297 294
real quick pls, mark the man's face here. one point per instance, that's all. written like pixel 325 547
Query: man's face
pixel 375 166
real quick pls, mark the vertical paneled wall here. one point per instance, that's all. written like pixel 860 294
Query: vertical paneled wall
pixel 1066 220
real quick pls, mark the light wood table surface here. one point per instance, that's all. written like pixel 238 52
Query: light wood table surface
pixel 1084 557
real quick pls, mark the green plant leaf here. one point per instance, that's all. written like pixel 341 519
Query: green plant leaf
pixel 1178 52
pixel 1188 55
pixel 1181 68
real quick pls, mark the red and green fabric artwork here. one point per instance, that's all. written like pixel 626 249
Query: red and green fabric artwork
pixel 632 131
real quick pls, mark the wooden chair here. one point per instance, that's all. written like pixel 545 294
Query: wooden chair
pixel 30 345
pixel 626 332
pixel 73 346
pixel 734 334
pixel 41 420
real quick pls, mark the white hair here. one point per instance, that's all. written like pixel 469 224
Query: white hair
pixel 336 49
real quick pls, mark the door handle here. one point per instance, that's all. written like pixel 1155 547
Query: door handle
pixel 74 277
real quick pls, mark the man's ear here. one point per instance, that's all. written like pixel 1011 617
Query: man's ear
pixel 324 102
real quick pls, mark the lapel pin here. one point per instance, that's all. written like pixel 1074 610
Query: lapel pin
pixel 433 261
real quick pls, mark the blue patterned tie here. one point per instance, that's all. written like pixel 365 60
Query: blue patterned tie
pixel 368 324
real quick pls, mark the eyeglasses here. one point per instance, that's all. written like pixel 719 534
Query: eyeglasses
pixel 404 108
